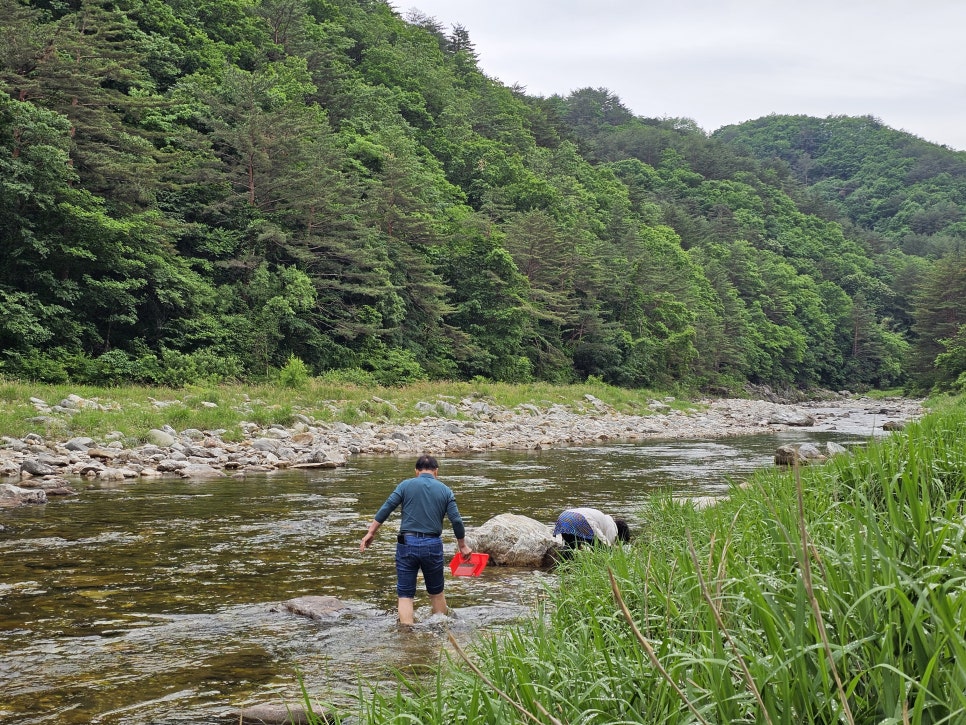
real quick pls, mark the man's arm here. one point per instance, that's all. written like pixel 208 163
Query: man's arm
pixel 395 498
pixel 370 535
pixel 459 530
pixel 453 514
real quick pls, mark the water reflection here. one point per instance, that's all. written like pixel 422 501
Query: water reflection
pixel 156 601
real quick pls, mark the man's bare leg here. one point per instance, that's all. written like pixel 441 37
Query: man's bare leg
pixel 438 602
pixel 405 610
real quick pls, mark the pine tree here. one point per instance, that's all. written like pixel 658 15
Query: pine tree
pixel 89 66
pixel 940 311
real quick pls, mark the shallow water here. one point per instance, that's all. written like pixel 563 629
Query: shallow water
pixel 157 601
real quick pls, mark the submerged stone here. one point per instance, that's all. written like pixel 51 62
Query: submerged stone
pixel 275 715
pixel 315 607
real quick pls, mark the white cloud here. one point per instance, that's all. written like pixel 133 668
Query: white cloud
pixel 728 61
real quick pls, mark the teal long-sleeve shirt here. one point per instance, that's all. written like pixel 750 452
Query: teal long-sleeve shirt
pixel 425 501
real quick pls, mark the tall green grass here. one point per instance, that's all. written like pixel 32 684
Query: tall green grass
pixel 832 594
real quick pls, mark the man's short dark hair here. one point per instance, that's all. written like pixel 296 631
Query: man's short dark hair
pixel 623 530
pixel 427 463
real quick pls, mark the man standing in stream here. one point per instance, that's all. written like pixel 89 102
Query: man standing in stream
pixel 425 501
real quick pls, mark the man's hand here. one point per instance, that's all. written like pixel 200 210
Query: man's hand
pixel 465 549
pixel 370 535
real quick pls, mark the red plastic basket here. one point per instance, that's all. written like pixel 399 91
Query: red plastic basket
pixel 468 567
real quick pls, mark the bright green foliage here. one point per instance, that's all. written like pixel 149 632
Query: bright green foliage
pixel 489 305
pixel 33 177
pixel 325 179
pixel 295 374
pixel 952 362
pixel 91 66
pixel 940 315
pixel 72 275
pixel 882 179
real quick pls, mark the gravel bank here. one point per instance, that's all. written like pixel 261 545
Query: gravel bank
pixel 53 467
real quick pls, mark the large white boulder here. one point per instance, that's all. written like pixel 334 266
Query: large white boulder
pixel 514 540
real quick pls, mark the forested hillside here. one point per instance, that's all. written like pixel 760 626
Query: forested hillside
pixel 216 189
pixel 905 198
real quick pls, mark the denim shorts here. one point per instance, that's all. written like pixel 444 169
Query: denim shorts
pixel 419 553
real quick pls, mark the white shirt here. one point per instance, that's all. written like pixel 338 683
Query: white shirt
pixel 603 525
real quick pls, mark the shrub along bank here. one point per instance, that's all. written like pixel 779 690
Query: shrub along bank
pixel 827 594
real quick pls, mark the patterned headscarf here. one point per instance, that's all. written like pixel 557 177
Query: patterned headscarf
pixel 575 524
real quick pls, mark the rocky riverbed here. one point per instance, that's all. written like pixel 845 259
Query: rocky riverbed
pixel 33 468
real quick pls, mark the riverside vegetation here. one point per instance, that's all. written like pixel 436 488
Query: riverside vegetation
pixel 206 190
pixel 127 413
pixel 828 594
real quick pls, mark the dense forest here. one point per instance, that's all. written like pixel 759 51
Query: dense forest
pixel 222 189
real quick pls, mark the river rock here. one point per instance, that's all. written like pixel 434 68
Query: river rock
pixel 447 409
pixel 89 469
pixel 56 461
pixel 8 469
pixel 200 470
pixel 117 474
pixel 800 453
pixel 266 445
pixel 201 452
pixel 703 502
pixel 805 453
pixel 60 491
pixel 791 418
pixel 13 444
pixel 76 402
pixel 514 540
pixel 106 454
pixel 79 444
pixel 478 409
pixel 171 465
pixel 51 485
pixel 11 495
pixel 315 607
pixel 34 467
pixel 276 715
pixel 328 458
pixel 835 449
pixel 893 425
pixel 471 425
pixel 160 438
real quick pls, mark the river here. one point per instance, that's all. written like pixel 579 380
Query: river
pixel 157 601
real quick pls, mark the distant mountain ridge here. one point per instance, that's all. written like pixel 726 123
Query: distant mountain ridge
pixel 881 179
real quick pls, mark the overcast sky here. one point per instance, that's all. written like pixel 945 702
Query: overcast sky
pixel 720 62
